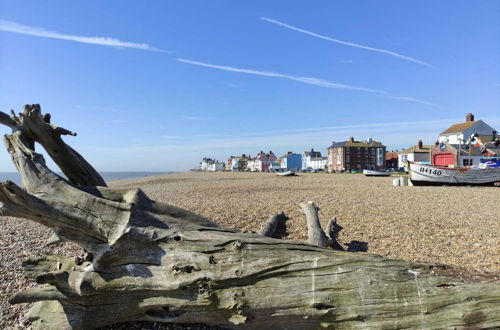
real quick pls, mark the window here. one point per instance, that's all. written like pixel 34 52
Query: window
pixel 467 162
pixel 380 156
pixel 339 160
pixel 404 158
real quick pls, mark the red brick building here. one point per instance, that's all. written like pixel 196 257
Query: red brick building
pixel 356 155
pixel 391 160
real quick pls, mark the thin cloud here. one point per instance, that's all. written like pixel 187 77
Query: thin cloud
pixel 412 99
pixel 305 80
pixel 346 43
pixel 14 27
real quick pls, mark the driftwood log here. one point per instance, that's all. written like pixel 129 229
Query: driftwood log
pixel 156 262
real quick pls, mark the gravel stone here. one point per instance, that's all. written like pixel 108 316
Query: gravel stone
pixel 450 225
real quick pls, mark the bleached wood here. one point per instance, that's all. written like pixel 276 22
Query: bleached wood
pixel 332 230
pixel 272 224
pixel 315 234
pixel 153 261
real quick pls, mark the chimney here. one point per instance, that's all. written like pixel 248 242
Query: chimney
pixel 420 144
pixel 351 139
pixel 469 117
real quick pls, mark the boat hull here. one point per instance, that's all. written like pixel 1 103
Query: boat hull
pixel 286 173
pixel 434 175
pixel 376 173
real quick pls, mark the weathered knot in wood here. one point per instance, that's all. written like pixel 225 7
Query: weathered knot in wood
pixel 178 270
pixel 206 289
pixel 232 245
pixel 237 307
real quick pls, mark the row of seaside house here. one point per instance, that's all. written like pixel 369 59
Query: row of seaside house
pixel 341 156
pixel 449 150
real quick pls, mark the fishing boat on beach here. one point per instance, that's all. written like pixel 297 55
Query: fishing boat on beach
pixel 285 173
pixel 421 174
pixel 376 173
pixel 487 172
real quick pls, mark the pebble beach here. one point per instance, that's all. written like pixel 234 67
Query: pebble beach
pixel 458 226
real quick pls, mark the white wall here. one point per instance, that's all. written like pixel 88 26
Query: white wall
pixel 253 165
pixel 318 164
pixel 452 138
pixel 480 128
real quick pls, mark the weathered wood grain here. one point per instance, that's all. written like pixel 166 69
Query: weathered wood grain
pixel 154 261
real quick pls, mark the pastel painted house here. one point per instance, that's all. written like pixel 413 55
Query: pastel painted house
pixel 275 166
pixel 264 160
pixel 291 161
pixel 238 163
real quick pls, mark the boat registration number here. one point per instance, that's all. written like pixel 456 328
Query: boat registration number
pixel 430 171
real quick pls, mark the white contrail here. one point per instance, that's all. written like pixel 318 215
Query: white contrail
pixel 346 43
pixel 305 80
pixel 9 26
pixel 411 99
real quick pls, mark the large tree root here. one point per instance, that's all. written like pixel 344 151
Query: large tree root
pixel 156 262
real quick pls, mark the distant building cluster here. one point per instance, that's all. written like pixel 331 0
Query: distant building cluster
pixel 451 149
pixel 211 165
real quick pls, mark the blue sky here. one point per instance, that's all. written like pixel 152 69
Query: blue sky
pixel 157 85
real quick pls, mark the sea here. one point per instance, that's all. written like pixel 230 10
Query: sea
pixel 107 176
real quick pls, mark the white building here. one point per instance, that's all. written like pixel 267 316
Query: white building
pixel 416 153
pixel 253 165
pixel 307 156
pixel 211 165
pixel 215 167
pixel 318 163
pixel 460 133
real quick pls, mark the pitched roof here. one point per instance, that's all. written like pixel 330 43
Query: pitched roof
pixel 457 128
pixel 285 156
pixel 312 153
pixel 365 144
pixel 391 155
pixel 415 149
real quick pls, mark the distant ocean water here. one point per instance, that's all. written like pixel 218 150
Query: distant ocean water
pixel 107 176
